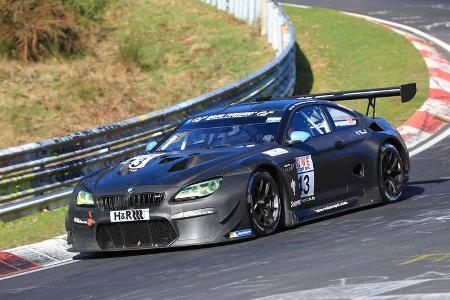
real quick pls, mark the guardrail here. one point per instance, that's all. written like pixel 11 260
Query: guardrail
pixel 41 174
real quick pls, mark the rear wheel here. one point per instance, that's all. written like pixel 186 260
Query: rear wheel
pixel 391 173
pixel 264 203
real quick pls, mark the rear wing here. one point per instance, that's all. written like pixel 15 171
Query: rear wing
pixel 405 91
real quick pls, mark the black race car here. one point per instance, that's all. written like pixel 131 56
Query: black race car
pixel 242 171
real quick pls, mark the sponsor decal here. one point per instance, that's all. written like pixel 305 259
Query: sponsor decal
pixel 337 205
pixel 264 113
pixel 296 203
pixel 79 221
pixel 273 119
pixel 141 161
pixel 276 152
pixel 288 167
pixel 300 201
pixel 304 164
pixel 361 132
pixel 129 215
pixel 89 221
pixel 245 146
pixel 194 213
pixel 235 115
pixel 293 186
pixel 240 233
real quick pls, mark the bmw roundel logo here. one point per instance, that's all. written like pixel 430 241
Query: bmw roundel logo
pixel 130 190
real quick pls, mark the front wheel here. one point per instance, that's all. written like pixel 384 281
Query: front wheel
pixel 391 173
pixel 264 203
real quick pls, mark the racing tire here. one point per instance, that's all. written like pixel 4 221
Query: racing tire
pixel 391 173
pixel 264 203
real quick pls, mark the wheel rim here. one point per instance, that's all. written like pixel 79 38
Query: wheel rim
pixel 392 172
pixel 265 203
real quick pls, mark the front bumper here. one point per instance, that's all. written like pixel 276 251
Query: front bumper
pixel 203 221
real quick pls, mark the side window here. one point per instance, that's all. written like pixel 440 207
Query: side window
pixel 341 118
pixel 310 119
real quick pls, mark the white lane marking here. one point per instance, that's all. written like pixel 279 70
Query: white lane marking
pixel 349 291
pixel 436 24
pixel 295 5
pixel 407 18
pixel 62 263
pixel 430 143
pixel 379 12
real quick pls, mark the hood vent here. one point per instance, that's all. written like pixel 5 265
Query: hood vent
pixel 191 161
pixel 167 159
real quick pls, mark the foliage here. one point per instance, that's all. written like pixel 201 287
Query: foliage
pixel 33 29
pixel 90 9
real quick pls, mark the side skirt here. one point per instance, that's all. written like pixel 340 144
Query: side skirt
pixel 370 197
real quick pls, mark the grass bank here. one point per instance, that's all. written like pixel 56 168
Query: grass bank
pixel 32 229
pixel 340 52
pixel 140 56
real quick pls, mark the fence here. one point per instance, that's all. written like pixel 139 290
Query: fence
pixel 41 174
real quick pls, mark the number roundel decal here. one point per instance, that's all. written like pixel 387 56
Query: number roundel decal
pixel 305 174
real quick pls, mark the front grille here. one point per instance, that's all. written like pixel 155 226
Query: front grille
pixel 142 234
pixel 134 201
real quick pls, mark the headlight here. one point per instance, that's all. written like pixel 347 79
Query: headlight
pixel 85 198
pixel 200 189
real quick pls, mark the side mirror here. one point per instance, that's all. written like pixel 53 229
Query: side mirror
pixel 298 137
pixel 150 146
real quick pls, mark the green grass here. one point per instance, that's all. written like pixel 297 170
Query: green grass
pixel 345 53
pixel 31 229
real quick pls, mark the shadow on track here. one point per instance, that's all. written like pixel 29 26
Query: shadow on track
pixel 140 252
pixel 305 77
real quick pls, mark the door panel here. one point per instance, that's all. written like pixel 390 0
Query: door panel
pixel 348 128
pixel 319 161
pixel 324 181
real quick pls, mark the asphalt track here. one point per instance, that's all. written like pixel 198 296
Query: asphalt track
pixel 397 251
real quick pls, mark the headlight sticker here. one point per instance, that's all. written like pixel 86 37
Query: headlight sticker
pixel 201 189
pixel 84 198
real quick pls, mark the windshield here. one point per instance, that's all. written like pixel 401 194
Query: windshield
pixel 186 138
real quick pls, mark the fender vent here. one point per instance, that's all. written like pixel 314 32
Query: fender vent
pixel 375 127
pixel 358 170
